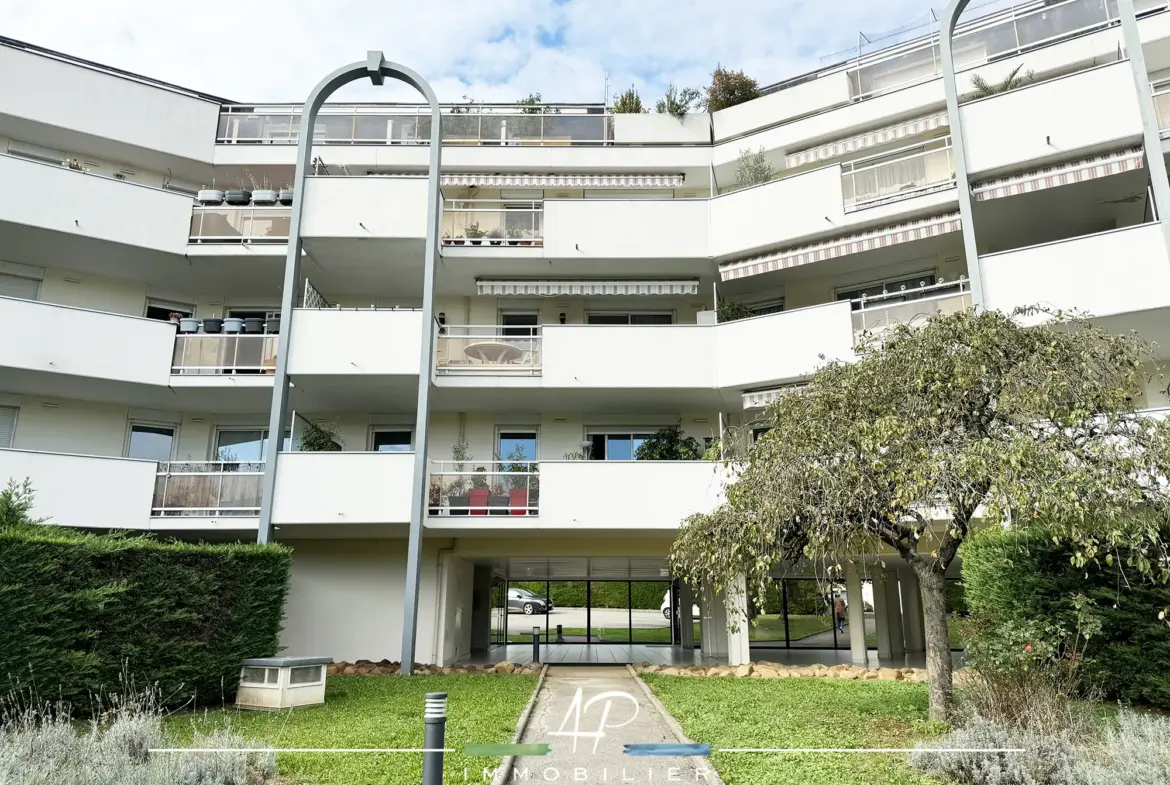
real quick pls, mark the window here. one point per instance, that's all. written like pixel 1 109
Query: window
pixel 758 432
pixel 246 448
pixel 392 441
pixel 523 324
pixel 909 287
pixel 765 307
pixel 151 442
pixel 7 425
pixel 605 317
pixel 19 286
pixel 516 445
pixel 162 309
pixel 616 446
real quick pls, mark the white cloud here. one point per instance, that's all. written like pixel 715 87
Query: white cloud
pixel 490 50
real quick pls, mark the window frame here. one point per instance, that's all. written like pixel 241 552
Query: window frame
pixel 376 429
pixel 132 423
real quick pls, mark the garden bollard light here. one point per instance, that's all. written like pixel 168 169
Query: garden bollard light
pixel 434 738
pixel 536 644
pixel 560 634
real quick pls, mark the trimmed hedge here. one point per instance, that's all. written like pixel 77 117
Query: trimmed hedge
pixel 79 611
pixel 1019 582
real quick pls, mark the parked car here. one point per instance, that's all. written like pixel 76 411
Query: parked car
pixel 527 603
pixel 666 607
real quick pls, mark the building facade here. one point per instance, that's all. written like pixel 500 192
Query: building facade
pixel 583 259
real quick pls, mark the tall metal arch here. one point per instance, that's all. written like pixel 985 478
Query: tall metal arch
pixel 376 68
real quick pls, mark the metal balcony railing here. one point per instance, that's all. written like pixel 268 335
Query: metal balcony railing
pixel 909 305
pixel 207 489
pixel 475 124
pixel 490 488
pixel 239 224
pixel 493 222
pixel 889 176
pixel 488 349
pixel 224 354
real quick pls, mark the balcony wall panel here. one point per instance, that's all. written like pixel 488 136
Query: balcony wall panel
pixel 626 229
pixel 61 200
pixel 781 106
pixel 661 129
pixel 365 207
pixel 783 346
pixel 1089 110
pixel 777 212
pixel 343 487
pixel 83 490
pixel 350 343
pixel 674 356
pixel 1102 274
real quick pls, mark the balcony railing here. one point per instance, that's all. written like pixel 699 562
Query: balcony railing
pixel 240 225
pixel 492 488
pixel 203 354
pixel 488 349
pixel 493 222
pixel 207 489
pixel 907 306
pixel 478 124
pixel 891 176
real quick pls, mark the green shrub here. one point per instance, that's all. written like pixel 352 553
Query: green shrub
pixel 1027 601
pixel 78 611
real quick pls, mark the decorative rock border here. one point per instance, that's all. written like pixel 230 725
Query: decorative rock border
pixel 389 668
pixel 774 670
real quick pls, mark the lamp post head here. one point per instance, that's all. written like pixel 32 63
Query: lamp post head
pixel 374 60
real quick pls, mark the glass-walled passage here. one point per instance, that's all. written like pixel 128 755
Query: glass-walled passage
pixel 592 612
pixel 806 613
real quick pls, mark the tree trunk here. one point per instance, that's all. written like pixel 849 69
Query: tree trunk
pixel 931 585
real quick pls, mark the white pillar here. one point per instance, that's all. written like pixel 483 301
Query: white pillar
pixel 715 631
pixel 913 623
pixel 738 636
pixel 707 625
pixel 855 605
pixel 686 621
pixel 887 609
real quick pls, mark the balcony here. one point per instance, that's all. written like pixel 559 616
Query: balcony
pixel 222 354
pixel 892 176
pixel 573 495
pixel 874 315
pixel 627 228
pixel 214 489
pixel 488 350
pixel 781 347
pixel 58 341
pixel 224 224
pixel 1112 273
pixel 1053 118
pixel 353 342
pixel 343 488
pixel 477 124
pixel 365 208
pixel 492 223
pixel 491 488
pixel 84 490
pixel 72 203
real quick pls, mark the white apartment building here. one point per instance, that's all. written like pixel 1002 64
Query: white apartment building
pixel 581 255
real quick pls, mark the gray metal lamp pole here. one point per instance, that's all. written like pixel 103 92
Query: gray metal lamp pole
pixel 377 68
pixel 1151 139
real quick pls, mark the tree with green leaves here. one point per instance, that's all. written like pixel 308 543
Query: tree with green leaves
pixel 677 103
pixel 971 416
pixel 669 444
pixel 984 89
pixel 753 168
pixel 16 505
pixel 628 102
pixel 729 88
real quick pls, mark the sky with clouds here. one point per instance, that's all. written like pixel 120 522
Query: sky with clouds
pixel 488 50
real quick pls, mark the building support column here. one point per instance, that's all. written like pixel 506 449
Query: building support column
pixel 913 622
pixel 715 630
pixel 855 606
pixel 686 621
pixel 481 609
pixel 887 610
pixel 738 625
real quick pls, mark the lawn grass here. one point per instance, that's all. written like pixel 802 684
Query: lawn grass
pixel 739 713
pixel 377 712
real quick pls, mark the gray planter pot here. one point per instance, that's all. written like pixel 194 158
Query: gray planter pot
pixel 237 197
pixel 285 196
pixel 187 325
pixel 463 501
pixel 210 196
pixel 265 197
pixel 233 325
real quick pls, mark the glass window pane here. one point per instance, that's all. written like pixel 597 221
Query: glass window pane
pixel 517 446
pixel 651 318
pixel 151 442
pixel 618 448
pixel 392 441
pixel 240 446
pixel 607 318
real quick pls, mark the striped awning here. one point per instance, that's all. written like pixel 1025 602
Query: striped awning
pixel 842 246
pixel 498 180
pixel 1116 162
pixel 761 398
pixel 891 133
pixel 585 288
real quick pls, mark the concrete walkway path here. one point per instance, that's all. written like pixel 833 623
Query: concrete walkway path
pixel 622 712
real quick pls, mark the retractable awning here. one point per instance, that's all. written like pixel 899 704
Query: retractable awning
pixel 585 288
pixel 761 398
pixel 1060 174
pixel 842 246
pixel 891 133
pixel 563 180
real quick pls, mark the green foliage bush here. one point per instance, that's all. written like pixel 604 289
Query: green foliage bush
pixel 78 611
pixel 646 595
pixel 1024 593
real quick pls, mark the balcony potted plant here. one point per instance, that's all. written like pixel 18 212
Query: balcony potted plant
pixel 458 501
pixel 480 492
pixel 188 325
pixel 498 501
pixel 474 234
pixel 495 236
pixel 285 195
pixel 272 324
pixel 238 196
pixel 263 194
pixel 513 234
pixel 320 437
pixel 233 325
pixel 526 237
pixel 209 196
pixel 435 497
pixel 213 326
